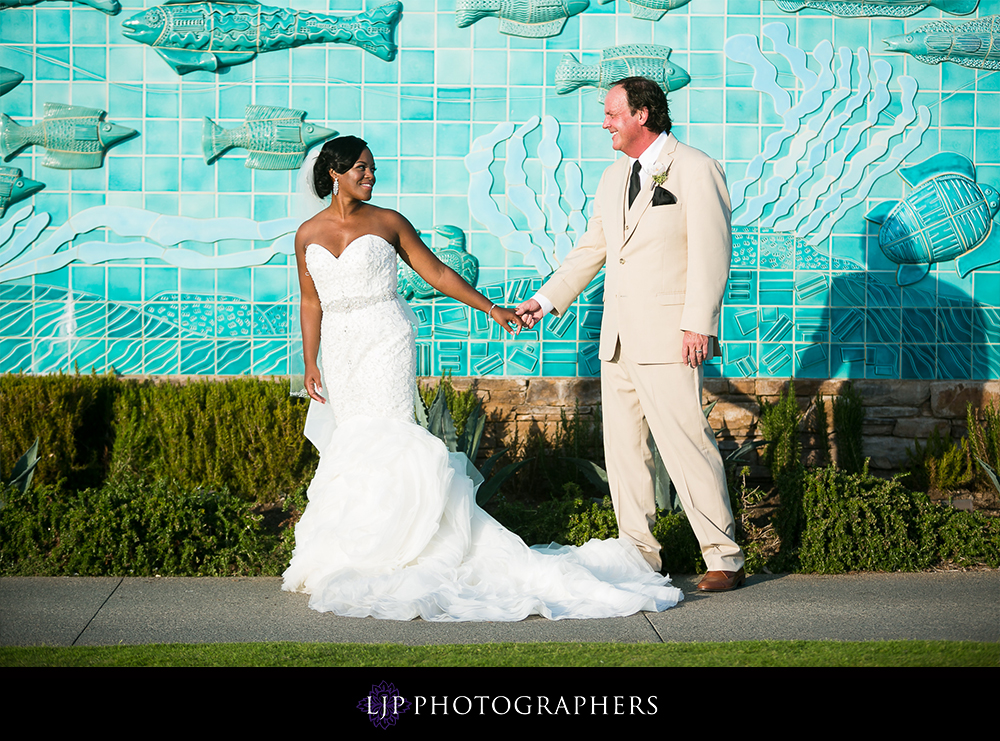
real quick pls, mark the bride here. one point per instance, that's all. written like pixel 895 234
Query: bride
pixel 392 529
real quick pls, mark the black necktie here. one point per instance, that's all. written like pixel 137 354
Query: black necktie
pixel 633 183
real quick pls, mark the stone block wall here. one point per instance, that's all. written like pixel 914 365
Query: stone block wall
pixel 896 412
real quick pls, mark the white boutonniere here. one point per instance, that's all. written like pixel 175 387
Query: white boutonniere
pixel 659 174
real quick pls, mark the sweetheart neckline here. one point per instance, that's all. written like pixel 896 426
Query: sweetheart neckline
pixel 349 245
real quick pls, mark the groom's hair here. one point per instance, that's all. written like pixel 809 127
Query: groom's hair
pixel 641 92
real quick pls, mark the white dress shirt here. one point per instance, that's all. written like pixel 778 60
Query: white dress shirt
pixel 647 159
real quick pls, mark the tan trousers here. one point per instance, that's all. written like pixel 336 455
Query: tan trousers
pixel 665 399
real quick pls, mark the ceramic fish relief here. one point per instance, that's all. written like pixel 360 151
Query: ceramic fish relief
pixel 617 63
pixel 891 8
pixel 15 187
pixel 650 10
pixel 276 138
pixel 76 138
pixel 9 79
pixel 947 216
pixel 973 44
pixel 111 7
pixel 213 35
pixel 410 284
pixel 532 19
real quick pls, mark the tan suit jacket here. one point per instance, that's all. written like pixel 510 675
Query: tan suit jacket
pixel 667 265
pixel 667 268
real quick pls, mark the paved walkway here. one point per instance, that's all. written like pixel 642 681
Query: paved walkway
pixel 76 611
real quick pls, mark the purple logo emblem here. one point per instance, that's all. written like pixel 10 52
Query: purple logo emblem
pixel 384 705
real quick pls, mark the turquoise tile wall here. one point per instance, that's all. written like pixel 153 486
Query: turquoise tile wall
pixel 160 263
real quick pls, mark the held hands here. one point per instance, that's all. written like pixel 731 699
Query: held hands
pixel 530 312
pixel 313 385
pixel 694 349
pixel 505 318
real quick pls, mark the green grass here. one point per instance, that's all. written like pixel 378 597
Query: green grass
pixel 743 653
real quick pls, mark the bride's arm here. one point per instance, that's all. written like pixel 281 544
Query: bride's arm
pixel 310 315
pixel 415 254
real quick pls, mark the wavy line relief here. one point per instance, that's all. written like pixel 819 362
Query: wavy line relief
pixel 822 155
pixel 161 235
pixel 548 238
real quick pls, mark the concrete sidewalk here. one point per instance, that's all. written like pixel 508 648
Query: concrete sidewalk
pixel 76 611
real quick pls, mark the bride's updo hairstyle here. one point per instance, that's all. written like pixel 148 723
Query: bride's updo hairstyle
pixel 338 155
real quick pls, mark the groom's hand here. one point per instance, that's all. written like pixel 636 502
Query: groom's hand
pixel 694 349
pixel 530 312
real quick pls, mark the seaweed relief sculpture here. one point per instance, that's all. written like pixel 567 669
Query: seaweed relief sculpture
pixel 549 233
pixel 214 35
pixel 833 152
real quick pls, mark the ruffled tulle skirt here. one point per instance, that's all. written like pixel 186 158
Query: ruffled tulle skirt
pixel 392 530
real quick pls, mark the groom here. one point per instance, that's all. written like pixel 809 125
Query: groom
pixel 661 227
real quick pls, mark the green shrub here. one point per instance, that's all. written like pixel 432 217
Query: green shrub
pixel 552 458
pixel 70 416
pixel 596 519
pixel 821 431
pixel 779 424
pixel 244 434
pixel 540 523
pixel 681 552
pixel 942 465
pixel 858 522
pixel 848 427
pixel 134 529
pixel 939 465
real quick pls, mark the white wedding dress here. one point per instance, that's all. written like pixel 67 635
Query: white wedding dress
pixel 392 529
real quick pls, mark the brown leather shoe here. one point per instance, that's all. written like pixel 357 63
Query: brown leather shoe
pixel 721 581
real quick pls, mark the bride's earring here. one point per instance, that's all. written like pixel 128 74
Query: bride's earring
pixel 336 186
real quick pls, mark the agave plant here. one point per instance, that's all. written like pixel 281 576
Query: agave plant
pixel 24 471
pixel 437 420
pixel 665 492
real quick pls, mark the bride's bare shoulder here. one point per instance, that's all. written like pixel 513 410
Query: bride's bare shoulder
pixel 393 220
pixel 309 229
